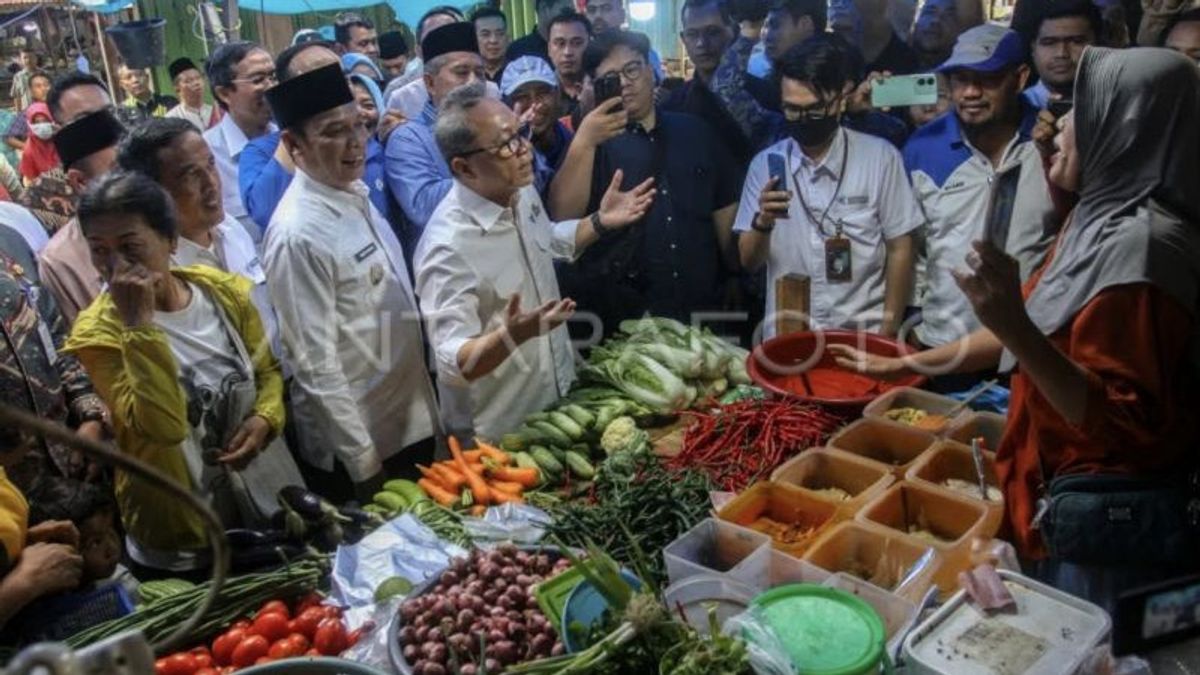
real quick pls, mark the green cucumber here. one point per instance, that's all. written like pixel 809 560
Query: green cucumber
pixel 410 491
pixel 524 460
pixel 390 501
pixel 552 434
pixel 578 413
pixel 546 462
pixel 580 466
pixel 567 425
pixel 514 442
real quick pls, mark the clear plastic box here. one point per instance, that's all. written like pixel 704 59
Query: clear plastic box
pixel 695 594
pixel 952 461
pixel 909 397
pixel 898 614
pixel 892 445
pixel 988 425
pixel 718 547
pixel 788 569
pixel 878 556
pixel 786 505
pixel 948 521
pixel 819 470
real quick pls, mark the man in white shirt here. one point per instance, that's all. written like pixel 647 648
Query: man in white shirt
pixel 172 152
pixel 337 277
pixel 846 215
pixel 189 86
pixel 239 73
pixel 485 272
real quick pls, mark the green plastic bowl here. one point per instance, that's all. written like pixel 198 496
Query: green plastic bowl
pixel 825 631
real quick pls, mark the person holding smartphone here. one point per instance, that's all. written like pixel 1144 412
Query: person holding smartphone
pixel 828 203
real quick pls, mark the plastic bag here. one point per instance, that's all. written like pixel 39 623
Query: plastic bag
pixel 768 656
pixel 518 523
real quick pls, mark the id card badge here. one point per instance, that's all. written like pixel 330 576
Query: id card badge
pixel 838 261
pixel 47 341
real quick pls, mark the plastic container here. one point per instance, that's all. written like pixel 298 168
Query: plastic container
pixel 797 365
pixel 818 470
pixel 951 461
pixel 897 613
pixel 693 596
pixel 826 631
pixel 323 665
pixel 585 606
pixel 910 397
pixel 786 505
pixel 1050 633
pixel 910 509
pixel 718 547
pixel 989 425
pixel 895 446
pixel 142 43
pixel 881 557
pixel 788 569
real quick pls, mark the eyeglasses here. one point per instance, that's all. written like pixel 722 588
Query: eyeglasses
pixel 810 113
pixel 709 35
pixel 509 147
pixel 259 79
pixel 632 71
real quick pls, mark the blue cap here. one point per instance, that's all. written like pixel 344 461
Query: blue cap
pixel 987 48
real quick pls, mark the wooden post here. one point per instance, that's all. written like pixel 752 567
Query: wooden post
pixel 103 39
pixel 791 304
pixel 231 20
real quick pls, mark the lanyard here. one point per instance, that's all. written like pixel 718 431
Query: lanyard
pixel 820 222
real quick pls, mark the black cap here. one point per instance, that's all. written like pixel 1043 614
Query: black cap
pixel 181 65
pixel 453 37
pixel 392 44
pixel 87 135
pixel 308 95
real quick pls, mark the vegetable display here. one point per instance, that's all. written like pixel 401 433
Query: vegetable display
pixel 481 616
pixel 743 442
pixel 275 633
pixel 635 503
pixel 404 496
pixel 238 598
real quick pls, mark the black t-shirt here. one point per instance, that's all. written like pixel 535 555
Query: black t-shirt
pixel 897 58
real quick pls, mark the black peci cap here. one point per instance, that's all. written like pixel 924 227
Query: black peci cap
pixel 391 45
pixel 179 66
pixel 308 95
pixel 87 135
pixel 453 37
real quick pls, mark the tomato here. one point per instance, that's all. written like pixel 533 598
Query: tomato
pixel 263 659
pixel 207 671
pixel 306 622
pixel 250 650
pixel 222 649
pixel 241 623
pixel 284 649
pixel 203 658
pixel 175 664
pixel 272 625
pixel 275 606
pixel 313 599
pixel 330 639
pixel 313 652
pixel 300 640
pixel 332 611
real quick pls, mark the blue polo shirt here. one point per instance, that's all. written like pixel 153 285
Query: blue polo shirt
pixel 416 173
pixel 669 262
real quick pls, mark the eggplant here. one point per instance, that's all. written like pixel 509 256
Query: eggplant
pixel 361 518
pixel 306 503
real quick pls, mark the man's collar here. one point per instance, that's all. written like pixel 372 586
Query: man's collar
pixel 235 138
pixel 306 182
pixel 831 162
pixel 1029 117
pixel 429 113
pixel 484 212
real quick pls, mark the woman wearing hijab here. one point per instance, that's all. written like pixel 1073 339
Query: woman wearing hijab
pixel 39 155
pixel 1098 460
pixel 370 107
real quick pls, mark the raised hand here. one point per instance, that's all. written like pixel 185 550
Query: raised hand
pixel 772 203
pixel 132 290
pixel 619 209
pixel 522 326
pixel 602 123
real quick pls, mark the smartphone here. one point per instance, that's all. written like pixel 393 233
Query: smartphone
pixel 1060 107
pixel 777 169
pixel 1000 207
pixel 608 87
pixel 904 90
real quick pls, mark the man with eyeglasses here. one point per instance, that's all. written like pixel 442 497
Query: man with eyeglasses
pixel 671 262
pixel 189 84
pixel 417 174
pixel 953 163
pixel 240 74
pixel 531 89
pixel 485 272
pixel 140 102
pixel 845 217
pixel 364 405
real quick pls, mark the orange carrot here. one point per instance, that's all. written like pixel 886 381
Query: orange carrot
pixel 450 477
pixel 502 497
pixel 477 510
pixel 479 489
pixel 492 452
pixel 473 456
pixel 506 486
pixel 524 477
pixel 432 476
pixel 437 493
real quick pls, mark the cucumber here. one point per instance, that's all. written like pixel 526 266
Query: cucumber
pixel 524 460
pixel 537 417
pixel 559 453
pixel 376 509
pixel 531 435
pixel 552 434
pixel 581 416
pixel 514 442
pixel 546 462
pixel 567 425
pixel 408 490
pixel 390 501
pixel 580 466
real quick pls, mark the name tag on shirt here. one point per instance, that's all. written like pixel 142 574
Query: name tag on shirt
pixel 47 341
pixel 365 252
pixel 860 200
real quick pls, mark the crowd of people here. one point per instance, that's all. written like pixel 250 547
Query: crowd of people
pixel 357 248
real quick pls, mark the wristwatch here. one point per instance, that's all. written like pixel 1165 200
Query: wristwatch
pixel 601 229
pixel 759 228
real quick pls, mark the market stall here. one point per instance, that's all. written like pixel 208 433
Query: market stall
pixel 677 513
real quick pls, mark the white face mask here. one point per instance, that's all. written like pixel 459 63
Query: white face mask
pixel 43 130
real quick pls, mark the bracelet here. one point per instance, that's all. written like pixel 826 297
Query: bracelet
pixel 758 228
pixel 602 231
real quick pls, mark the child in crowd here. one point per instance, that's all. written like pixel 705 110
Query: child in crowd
pixel 93 511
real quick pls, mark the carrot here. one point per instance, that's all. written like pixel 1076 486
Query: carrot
pixel 433 476
pixel 502 497
pixel 506 486
pixel 479 489
pixel 524 477
pixel 473 456
pixel 450 477
pixel 492 452
pixel 437 493
pixel 477 510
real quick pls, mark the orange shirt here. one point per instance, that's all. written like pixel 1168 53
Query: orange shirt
pixel 1142 402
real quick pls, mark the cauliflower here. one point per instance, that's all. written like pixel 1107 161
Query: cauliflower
pixel 623 435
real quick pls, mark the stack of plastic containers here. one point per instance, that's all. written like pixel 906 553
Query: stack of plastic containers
pixel 894 445
pixel 845 480
pixel 949 467
pixel 792 517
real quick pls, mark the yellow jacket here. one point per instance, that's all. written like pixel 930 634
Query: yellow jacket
pixel 135 372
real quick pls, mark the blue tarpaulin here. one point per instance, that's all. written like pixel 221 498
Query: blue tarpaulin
pixel 407 11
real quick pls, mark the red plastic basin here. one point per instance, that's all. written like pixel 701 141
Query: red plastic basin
pixel 790 365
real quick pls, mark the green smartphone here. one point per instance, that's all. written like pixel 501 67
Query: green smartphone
pixel 899 91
